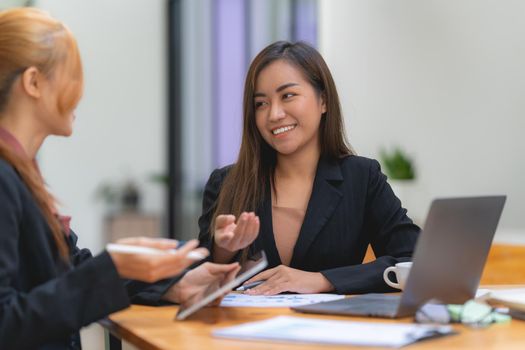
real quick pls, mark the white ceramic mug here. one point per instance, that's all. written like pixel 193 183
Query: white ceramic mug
pixel 401 270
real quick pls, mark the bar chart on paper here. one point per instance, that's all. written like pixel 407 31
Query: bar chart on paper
pixel 281 300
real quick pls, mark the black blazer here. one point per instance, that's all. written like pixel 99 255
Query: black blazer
pixel 43 300
pixel 351 206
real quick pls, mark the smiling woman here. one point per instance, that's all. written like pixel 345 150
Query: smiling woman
pixel 298 191
pixel 288 110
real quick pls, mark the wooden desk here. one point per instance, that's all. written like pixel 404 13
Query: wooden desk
pixel 154 328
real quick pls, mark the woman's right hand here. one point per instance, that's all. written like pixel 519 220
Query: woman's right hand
pixel 151 268
pixel 232 236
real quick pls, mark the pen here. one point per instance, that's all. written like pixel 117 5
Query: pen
pixel 133 249
pixel 249 286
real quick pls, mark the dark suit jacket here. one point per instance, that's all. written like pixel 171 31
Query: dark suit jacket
pixel 351 206
pixel 43 300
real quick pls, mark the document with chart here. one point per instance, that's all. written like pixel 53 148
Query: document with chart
pixel 280 300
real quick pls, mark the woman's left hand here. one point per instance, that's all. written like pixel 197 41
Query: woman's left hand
pixel 201 281
pixel 286 279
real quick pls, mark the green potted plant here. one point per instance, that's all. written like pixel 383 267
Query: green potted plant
pixel 119 196
pixel 400 171
pixel 397 165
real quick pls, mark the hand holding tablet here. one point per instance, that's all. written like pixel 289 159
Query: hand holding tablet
pixel 250 268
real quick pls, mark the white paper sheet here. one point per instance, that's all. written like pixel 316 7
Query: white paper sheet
pixel 281 300
pixel 309 330
pixel 482 293
pixel 513 298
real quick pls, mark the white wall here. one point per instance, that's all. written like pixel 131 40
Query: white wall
pixel 120 126
pixel 445 80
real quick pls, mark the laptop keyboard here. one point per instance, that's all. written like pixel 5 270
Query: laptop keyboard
pixel 361 305
pixel 372 305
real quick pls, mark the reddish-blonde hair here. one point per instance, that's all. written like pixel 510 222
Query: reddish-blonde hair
pixel 32 38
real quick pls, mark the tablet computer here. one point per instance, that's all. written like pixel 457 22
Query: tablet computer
pixel 253 265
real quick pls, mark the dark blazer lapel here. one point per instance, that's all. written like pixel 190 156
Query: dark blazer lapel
pixel 323 201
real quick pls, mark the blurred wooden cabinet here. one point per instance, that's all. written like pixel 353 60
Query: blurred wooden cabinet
pixel 131 224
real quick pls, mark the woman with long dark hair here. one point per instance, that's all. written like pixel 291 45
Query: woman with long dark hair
pixel 298 191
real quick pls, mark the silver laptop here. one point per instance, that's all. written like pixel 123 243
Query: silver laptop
pixel 447 264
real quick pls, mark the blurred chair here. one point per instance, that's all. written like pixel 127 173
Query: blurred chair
pixel 369 256
pixel 505 264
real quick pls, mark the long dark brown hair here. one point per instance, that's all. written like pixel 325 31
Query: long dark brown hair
pixel 245 185
pixel 31 38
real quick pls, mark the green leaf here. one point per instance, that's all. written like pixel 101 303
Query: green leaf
pixel 397 165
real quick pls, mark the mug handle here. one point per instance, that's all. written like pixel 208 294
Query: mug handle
pixel 387 280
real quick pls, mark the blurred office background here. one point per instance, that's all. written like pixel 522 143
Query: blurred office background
pixel 442 79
